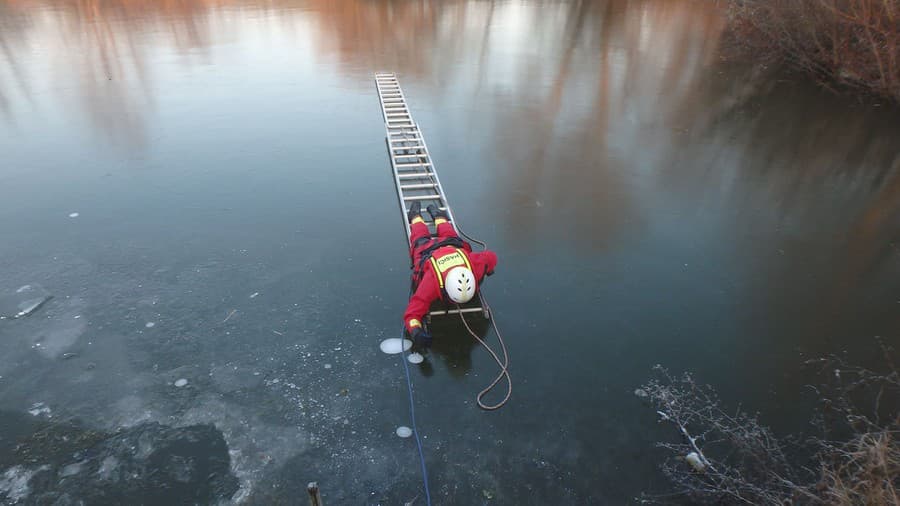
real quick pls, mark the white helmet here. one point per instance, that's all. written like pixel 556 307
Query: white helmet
pixel 460 284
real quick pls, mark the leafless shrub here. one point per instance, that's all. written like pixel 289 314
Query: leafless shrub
pixel 723 456
pixel 854 43
pixel 726 457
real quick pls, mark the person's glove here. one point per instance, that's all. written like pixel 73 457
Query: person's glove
pixel 421 340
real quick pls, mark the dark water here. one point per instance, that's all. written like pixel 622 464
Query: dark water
pixel 650 204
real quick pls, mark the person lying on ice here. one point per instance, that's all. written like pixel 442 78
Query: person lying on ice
pixel 444 267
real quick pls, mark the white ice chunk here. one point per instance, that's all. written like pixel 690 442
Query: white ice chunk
pixel 181 382
pixel 696 462
pixel 71 470
pixel 38 409
pixel 24 301
pixel 395 345
pixel 415 358
pixel 14 483
pixel 404 431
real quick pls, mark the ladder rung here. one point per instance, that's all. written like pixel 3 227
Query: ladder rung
pixel 415 175
pixel 404 165
pixel 398 114
pixel 456 311
pixel 418 146
pixel 439 208
pixel 423 197
pixel 418 186
pixel 403 140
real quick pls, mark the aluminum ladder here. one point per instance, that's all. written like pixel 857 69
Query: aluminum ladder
pixel 414 174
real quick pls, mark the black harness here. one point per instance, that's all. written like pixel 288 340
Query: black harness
pixel 419 270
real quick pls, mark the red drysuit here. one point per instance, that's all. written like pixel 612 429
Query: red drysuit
pixel 429 286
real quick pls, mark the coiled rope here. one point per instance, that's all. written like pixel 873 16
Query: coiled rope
pixel 504 365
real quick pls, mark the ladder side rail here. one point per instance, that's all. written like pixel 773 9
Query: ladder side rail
pixel 481 301
pixel 406 134
pixel 437 180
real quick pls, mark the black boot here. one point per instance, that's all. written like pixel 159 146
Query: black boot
pixel 415 209
pixel 436 213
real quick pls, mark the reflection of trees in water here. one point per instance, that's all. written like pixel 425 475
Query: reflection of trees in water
pixel 13 25
pixel 390 35
pixel 575 146
pixel 100 43
pixel 420 40
pixel 844 177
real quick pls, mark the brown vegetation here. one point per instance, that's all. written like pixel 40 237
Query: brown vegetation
pixel 851 43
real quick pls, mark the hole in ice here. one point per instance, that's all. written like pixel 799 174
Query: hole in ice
pixel 395 345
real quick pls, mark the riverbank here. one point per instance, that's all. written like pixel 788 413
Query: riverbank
pixel 844 45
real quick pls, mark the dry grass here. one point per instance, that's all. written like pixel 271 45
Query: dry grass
pixel 865 470
pixel 848 43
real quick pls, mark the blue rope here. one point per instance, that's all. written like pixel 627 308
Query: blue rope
pixel 412 414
